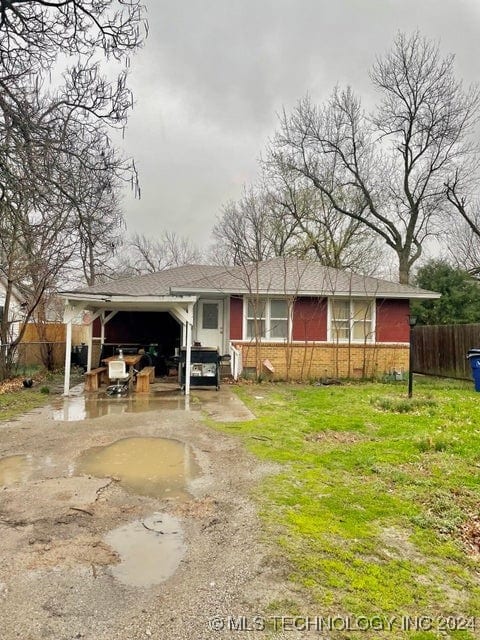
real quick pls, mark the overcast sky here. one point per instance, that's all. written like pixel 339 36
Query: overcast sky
pixel 214 74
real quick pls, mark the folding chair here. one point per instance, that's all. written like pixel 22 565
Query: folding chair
pixel 117 371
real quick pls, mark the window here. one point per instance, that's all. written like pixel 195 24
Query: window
pixel 267 319
pixel 351 320
pixel 256 319
pixel 210 315
pixel 278 319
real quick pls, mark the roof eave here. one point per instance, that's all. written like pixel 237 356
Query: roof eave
pixel 112 299
pixel 420 295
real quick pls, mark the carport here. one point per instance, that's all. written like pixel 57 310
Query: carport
pixel 105 307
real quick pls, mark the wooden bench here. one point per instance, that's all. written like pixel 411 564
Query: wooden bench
pixel 94 378
pixel 144 378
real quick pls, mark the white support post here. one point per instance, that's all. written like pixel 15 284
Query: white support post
pixel 102 328
pixel 97 314
pixel 90 346
pixel 68 358
pixel 188 356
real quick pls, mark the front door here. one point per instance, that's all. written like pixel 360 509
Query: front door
pixel 210 323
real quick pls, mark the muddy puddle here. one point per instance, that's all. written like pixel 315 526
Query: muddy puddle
pixel 15 469
pixel 150 550
pixel 84 408
pixel 154 467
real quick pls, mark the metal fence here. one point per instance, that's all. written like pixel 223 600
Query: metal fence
pixel 440 350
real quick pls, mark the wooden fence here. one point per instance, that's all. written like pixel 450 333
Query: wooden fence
pixel 440 350
pixel 48 338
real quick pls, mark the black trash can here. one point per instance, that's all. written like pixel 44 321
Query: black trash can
pixel 474 356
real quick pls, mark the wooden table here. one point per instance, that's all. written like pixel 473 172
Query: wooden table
pixel 130 361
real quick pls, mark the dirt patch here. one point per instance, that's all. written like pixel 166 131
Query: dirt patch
pixel 84 549
pixel 57 570
pixel 202 508
pixel 342 437
pixel 43 499
pixel 395 543
pixel 470 535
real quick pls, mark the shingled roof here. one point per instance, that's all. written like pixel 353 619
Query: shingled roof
pixel 152 284
pixel 279 276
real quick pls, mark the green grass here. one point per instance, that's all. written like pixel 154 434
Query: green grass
pixel 14 403
pixel 373 493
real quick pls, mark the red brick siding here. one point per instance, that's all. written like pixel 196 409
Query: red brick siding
pixel 309 319
pixel 236 318
pixel 392 321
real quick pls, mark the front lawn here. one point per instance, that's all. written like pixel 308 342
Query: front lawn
pixel 377 506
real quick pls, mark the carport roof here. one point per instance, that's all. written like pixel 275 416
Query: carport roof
pixel 150 284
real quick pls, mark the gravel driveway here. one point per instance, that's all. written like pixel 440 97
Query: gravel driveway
pixel 57 578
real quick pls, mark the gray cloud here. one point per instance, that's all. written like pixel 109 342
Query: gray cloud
pixel 214 73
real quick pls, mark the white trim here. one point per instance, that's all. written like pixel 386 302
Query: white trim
pixel 108 299
pixel 315 293
pixel 222 326
pixel 351 340
pixel 267 299
pixel 188 355
pixel 110 316
pixel 68 358
pixel 325 343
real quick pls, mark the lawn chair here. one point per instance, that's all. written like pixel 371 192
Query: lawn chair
pixel 117 371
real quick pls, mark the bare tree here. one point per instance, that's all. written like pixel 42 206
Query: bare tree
pixel 55 138
pixel 97 222
pixel 463 239
pixel 320 232
pixel 252 229
pixel 34 32
pixel 283 215
pixel 390 168
pixel 149 255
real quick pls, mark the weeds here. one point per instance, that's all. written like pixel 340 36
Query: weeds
pixel 402 405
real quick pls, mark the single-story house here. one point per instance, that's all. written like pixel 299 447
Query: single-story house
pixel 284 317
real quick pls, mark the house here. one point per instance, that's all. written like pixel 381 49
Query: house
pixel 284 317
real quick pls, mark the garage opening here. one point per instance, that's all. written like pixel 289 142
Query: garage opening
pixel 158 333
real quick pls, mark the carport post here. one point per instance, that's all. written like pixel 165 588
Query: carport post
pixel 95 315
pixel 188 355
pixel 68 358
pixel 90 346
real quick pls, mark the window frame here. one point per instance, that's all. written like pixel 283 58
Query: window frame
pixel 266 300
pixel 371 337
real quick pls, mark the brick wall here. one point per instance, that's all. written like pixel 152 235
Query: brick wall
pixel 306 361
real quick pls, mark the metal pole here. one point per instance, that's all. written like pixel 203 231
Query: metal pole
pixel 410 365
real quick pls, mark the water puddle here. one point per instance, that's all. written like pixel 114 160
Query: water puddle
pixel 14 469
pixel 154 467
pixel 150 550
pixel 84 408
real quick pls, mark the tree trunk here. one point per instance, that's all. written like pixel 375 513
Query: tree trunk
pixel 403 268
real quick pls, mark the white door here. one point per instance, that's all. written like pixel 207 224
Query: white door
pixel 210 323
